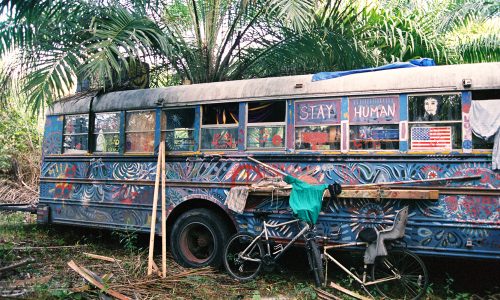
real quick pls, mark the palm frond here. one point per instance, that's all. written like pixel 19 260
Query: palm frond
pixel 296 13
pixel 51 76
pixel 116 38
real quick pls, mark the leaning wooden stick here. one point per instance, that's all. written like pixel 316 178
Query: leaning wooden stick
pixel 163 217
pixel 267 166
pixel 153 214
pixel 376 184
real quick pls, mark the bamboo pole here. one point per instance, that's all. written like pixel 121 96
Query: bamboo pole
pixel 375 184
pixel 163 216
pixel 153 214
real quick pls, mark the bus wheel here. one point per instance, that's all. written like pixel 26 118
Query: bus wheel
pixel 198 238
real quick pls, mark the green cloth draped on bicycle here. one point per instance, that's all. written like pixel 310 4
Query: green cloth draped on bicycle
pixel 305 199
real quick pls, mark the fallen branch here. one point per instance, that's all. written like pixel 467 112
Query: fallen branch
pixel 322 294
pixel 101 257
pixel 46 247
pixel 25 282
pixel 90 279
pixel 16 265
pixel 348 292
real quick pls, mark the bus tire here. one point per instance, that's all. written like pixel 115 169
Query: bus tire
pixel 198 238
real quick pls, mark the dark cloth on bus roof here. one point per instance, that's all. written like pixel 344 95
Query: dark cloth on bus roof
pixel 305 199
pixel 421 62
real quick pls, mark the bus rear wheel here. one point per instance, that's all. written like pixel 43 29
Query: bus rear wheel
pixel 198 238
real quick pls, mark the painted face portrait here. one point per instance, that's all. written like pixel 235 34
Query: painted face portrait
pixel 431 106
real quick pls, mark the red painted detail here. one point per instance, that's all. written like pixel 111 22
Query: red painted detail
pixel 277 140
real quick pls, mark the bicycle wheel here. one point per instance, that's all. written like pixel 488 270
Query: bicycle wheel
pixel 243 266
pixel 316 263
pixel 411 273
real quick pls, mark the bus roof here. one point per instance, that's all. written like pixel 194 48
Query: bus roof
pixel 411 80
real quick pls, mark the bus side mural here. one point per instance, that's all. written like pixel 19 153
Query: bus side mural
pixel 99 166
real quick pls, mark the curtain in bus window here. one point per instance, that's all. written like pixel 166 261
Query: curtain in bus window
pixel 485 122
pixel 220 114
pixel 377 137
pixel 266 124
pixel 374 123
pixel 317 124
pixel 106 132
pixel 219 138
pixel 75 133
pixel 139 131
pixel 266 137
pixel 259 112
pixel 179 132
pixel 317 138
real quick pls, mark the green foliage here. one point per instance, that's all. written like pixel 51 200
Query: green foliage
pixel 305 291
pixel 18 134
pixel 128 240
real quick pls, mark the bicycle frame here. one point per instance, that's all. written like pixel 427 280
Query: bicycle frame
pixel 362 280
pixel 265 233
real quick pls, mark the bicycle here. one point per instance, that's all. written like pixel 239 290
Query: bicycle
pixel 395 273
pixel 245 254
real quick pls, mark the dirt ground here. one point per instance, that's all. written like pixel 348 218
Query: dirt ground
pixel 47 250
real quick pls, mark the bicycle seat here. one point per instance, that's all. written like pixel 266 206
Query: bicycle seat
pixel 396 231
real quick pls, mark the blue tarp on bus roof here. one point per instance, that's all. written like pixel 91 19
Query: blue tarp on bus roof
pixel 421 62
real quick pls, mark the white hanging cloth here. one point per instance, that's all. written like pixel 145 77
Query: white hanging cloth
pixel 485 123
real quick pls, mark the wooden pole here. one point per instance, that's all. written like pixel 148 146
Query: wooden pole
pixel 163 216
pixel 153 214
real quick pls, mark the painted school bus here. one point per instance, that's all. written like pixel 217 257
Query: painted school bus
pixel 99 156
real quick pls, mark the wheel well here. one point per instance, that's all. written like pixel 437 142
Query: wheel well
pixel 199 203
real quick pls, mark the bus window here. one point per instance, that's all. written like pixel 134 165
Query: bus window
pixel 107 132
pixel 266 125
pixel 435 122
pixel 140 131
pixel 76 129
pixel 317 125
pixel 479 143
pixel 374 123
pixel 220 126
pixel 493 94
pixel 178 129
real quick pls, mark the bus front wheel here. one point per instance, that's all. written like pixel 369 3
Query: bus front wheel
pixel 198 238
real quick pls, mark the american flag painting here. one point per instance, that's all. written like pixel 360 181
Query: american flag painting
pixel 431 138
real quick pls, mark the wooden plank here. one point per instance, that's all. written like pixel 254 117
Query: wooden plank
pixel 90 279
pixel 348 292
pixel 391 194
pixel 364 193
pixel 153 214
pixel 163 216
